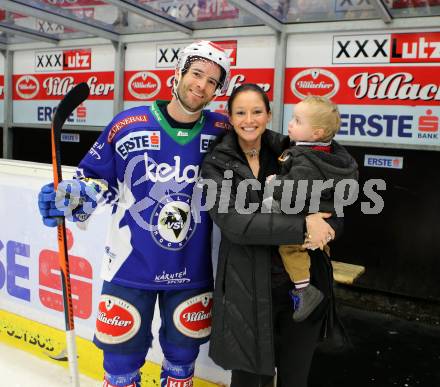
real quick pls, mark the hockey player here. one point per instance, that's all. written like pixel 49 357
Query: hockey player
pixel 145 163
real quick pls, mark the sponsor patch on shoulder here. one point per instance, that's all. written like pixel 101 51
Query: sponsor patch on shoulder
pixel 223 125
pixel 192 317
pixel 205 141
pixel 123 123
pixel 117 321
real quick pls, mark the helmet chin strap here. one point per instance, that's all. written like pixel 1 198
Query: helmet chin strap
pixel 176 94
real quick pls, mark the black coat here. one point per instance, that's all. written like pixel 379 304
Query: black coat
pixel 304 163
pixel 242 332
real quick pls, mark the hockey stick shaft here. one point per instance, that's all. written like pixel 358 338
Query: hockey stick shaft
pixel 70 102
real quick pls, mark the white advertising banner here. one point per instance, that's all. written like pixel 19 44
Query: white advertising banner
pixel 42 77
pixel 30 284
pixel 387 85
pixel 150 68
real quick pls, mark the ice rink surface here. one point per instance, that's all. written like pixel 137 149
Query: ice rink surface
pixel 386 351
pixel 21 369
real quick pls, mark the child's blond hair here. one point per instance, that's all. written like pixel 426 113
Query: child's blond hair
pixel 324 115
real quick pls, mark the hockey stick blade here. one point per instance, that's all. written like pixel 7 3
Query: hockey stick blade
pixel 68 104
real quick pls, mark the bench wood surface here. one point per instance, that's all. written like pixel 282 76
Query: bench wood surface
pixel 346 273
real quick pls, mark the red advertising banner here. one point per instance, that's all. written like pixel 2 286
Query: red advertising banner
pixel 395 4
pixel 216 10
pixel 63 60
pixel 230 48
pixel 150 85
pixel 365 85
pixel 74 3
pixel 2 87
pixel 415 48
pixel 55 86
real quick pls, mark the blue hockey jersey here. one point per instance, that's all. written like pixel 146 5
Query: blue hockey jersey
pixel 150 168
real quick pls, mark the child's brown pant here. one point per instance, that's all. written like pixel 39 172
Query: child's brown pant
pixel 296 261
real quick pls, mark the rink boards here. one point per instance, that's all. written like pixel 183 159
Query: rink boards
pixel 49 343
pixel 31 316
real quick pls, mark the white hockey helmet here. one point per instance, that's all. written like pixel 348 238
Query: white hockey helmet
pixel 210 51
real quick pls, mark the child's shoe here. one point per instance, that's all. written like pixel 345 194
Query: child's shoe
pixel 305 300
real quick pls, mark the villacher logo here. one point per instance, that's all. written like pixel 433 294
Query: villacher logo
pixel 193 316
pixel 117 320
pixel 314 81
pixel 27 86
pixel 144 85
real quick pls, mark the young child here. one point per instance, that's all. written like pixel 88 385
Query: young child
pixel 312 155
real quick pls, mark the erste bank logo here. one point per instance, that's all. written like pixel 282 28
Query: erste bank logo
pixel 205 141
pixel 138 141
pixel 379 161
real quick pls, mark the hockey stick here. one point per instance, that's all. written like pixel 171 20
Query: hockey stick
pixel 65 108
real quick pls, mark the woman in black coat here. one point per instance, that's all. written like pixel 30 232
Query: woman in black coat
pixel 252 329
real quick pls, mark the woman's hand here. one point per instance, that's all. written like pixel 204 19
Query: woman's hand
pixel 319 232
pixel 270 178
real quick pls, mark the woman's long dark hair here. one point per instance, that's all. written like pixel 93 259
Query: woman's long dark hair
pixel 248 87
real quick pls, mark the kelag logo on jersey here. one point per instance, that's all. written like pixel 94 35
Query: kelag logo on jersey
pixel 173 222
pixel 138 141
